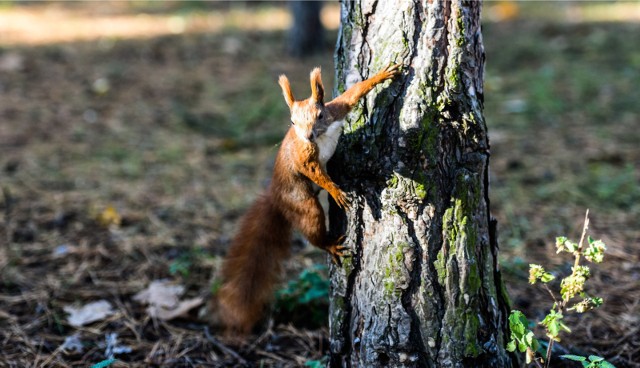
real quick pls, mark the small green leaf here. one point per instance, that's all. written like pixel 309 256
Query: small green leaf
pixel 517 323
pixel 528 338
pixel 522 347
pixel 595 358
pixel 546 277
pixel 535 345
pixel 595 251
pixel 575 358
pixel 511 346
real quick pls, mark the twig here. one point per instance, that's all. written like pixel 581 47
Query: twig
pixel 225 349
pixel 547 359
pixel 267 333
pixel 550 293
pixel 584 232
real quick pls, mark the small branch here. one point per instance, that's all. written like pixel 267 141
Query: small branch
pixel 584 232
pixel 548 357
pixel 550 293
pixel 225 349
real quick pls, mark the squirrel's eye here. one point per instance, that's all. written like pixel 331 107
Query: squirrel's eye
pixel 320 116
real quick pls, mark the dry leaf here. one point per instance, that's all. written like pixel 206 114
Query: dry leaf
pixel 164 300
pixel 88 313
pixel 160 293
pixel 182 309
pixel 109 217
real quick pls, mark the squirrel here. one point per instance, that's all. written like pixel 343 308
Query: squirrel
pixel 253 262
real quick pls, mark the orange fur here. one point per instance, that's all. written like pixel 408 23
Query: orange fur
pixel 253 263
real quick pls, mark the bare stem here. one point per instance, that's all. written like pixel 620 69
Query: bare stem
pixel 580 244
pixel 547 360
pixel 550 293
pixel 535 360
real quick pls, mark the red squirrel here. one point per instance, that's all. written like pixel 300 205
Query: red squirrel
pixel 253 262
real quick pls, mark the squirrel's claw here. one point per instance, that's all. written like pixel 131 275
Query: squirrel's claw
pixel 338 251
pixel 341 200
pixel 391 71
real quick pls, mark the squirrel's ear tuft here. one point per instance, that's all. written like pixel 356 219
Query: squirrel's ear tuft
pixel 317 90
pixel 286 90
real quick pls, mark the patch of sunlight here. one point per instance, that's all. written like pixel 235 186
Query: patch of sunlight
pixel 609 12
pixel 48 23
pixel 563 11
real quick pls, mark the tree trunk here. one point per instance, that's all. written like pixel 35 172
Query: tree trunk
pixel 422 287
pixel 306 35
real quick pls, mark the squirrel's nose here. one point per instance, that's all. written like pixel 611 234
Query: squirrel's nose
pixel 311 136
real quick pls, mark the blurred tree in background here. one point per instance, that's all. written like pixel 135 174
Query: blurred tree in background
pixel 306 35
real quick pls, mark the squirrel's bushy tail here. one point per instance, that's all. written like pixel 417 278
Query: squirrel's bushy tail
pixel 253 265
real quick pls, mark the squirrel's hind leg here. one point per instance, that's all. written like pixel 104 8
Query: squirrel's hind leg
pixel 309 219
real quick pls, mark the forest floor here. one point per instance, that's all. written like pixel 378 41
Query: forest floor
pixel 133 138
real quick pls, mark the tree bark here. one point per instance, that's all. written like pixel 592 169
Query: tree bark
pixel 422 287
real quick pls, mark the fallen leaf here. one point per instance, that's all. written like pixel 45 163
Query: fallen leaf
pixel 88 313
pixel 109 217
pixel 182 309
pixel 164 300
pixel 160 293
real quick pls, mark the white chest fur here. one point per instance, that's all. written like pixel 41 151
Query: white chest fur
pixel 328 141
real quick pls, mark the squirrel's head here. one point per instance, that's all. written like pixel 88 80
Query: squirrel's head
pixel 309 117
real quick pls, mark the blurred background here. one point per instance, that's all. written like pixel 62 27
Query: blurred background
pixel 134 134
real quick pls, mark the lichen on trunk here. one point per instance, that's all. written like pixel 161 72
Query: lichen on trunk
pixel 422 287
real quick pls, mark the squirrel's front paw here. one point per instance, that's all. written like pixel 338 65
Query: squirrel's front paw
pixel 391 71
pixel 337 251
pixel 341 199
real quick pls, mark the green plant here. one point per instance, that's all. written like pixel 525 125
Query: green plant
pixel 183 263
pixel 522 337
pixel 320 363
pixel 307 295
pixel 592 361
pixel 311 285
pixel 571 287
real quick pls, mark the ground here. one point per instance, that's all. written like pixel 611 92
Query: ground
pixel 133 136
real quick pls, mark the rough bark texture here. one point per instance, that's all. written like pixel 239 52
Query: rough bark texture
pixel 423 286
pixel 306 36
